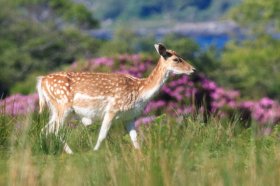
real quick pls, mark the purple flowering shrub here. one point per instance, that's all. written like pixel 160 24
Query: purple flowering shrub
pixel 179 96
pixel 18 104
pixel 265 111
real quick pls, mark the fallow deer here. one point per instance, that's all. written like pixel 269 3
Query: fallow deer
pixel 108 96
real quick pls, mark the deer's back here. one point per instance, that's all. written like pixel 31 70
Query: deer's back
pixel 92 90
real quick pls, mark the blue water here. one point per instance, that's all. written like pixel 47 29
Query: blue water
pixel 205 41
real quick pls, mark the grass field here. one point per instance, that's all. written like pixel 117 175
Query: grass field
pixel 189 152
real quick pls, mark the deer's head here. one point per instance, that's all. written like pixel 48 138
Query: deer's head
pixel 173 62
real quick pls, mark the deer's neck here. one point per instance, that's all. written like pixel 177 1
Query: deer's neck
pixel 154 82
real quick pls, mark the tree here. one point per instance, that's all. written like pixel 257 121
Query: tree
pixel 31 44
pixel 253 65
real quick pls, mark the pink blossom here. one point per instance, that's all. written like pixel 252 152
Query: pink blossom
pixel 266 102
pixel 144 120
pixel 19 104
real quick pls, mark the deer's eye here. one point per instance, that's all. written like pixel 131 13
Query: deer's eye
pixel 177 60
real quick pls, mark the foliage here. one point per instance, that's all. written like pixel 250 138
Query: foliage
pixel 126 41
pixel 260 16
pixel 28 46
pixel 70 11
pixel 252 65
pixel 77 13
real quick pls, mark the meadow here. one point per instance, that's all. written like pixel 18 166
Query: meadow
pixel 185 152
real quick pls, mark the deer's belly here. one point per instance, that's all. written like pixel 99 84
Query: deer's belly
pixel 90 107
pixel 88 112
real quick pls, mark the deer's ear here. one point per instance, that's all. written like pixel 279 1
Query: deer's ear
pixel 161 49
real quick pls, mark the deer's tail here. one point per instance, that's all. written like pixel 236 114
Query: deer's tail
pixel 42 98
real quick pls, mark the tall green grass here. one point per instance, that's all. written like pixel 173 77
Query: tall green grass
pixel 186 152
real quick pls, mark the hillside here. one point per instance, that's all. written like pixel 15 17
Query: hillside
pixel 157 13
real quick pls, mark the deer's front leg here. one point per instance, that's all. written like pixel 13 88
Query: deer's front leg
pixel 106 124
pixel 133 134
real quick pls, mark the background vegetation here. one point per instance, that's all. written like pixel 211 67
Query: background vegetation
pixel 252 65
pixel 35 38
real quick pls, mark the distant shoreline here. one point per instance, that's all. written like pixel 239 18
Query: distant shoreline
pixel 204 33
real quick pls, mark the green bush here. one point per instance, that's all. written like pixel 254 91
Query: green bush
pixel 29 46
pixel 253 68
pixel 252 65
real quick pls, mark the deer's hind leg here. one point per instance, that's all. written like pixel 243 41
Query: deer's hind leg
pixel 62 115
pixel 133 134
pixel 58 114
